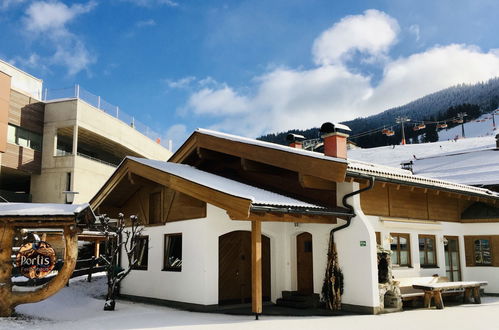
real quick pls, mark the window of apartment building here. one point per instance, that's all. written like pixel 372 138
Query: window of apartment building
pixel 155 208
pixel 401 250
pixel 378 237
pixel 173 253
pixel 427 251
pixel 24 138
pixel 140 254
pixel 482 252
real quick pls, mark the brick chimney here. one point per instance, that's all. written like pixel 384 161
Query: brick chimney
pixel 335 142
pixel 295 140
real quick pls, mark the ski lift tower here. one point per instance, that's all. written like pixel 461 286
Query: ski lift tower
pixel 402 120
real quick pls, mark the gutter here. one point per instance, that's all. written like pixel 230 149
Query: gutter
pixel 289 210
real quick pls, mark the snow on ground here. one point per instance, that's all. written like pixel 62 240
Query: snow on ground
pixel 79 306
pixel 394 155
pixel 482 126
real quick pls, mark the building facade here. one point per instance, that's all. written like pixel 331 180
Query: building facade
pixel 233 220
pixel 52 149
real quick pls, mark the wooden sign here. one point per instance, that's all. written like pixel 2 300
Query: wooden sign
pixel 36 260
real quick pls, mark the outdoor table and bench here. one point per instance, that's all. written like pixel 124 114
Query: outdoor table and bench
pixel 434 290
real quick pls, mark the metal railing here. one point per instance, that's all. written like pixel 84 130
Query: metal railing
pixel 96 101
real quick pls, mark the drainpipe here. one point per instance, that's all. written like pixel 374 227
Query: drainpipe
pixel 328 289
pixel 350 207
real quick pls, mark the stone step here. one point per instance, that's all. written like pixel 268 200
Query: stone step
pixel 295 299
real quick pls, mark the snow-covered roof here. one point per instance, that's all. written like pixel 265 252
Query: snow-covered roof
pixel 383 171
pixel 257 196
pixel 270 145
pixel 473 168
pixel 471 161
pixel 400 175
pixel 394 155
pixel 40 209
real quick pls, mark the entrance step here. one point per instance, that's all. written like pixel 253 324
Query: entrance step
pixel 298 300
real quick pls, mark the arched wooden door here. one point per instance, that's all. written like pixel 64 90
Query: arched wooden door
pixel 234 268
pixel 304 263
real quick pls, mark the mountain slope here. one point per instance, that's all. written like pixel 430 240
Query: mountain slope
pixel 430 107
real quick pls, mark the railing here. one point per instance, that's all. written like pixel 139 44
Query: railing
pixel 83 267
pixel 7 196
pixel 101 104
pixel 96 159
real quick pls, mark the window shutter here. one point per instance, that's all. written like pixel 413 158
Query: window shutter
pixel 494 244
pixel 468 251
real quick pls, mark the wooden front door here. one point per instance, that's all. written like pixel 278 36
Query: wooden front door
pixel 304 257
pixel 234 268
pixel 452 259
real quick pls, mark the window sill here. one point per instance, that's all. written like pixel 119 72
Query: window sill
pixel 401 267
pixel 141 268
pixel 176 270
pixel 429 266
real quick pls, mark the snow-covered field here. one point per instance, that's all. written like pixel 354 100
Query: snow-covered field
pixel 80 307
pixel 393 155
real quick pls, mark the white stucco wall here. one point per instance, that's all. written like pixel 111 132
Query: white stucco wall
pixel 22 81
pixel 440 229
pixel 198 281
pixel 358 262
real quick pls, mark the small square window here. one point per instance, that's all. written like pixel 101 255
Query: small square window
pixel 173 253
pixel 427 251
pixel 140 254
pixel 401 251
pixel 483 254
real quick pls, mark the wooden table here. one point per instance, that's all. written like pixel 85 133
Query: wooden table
pixel 434 290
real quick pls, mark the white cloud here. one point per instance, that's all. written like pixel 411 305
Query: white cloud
pixel 144 23
pixel 75 59
pixel 371 33
pixel 408 78
pixel 414 29
pixel 181 83
pixel 216 102
pixel 42 16
pixel 6 4
pixel 48 20
pixel 152 3
pixel 302 98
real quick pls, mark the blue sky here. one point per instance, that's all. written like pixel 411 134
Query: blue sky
pixel 251 67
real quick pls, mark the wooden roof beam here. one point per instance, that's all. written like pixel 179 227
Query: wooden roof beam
pixel 313 182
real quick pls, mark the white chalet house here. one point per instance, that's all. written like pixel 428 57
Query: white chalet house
pixel 231 220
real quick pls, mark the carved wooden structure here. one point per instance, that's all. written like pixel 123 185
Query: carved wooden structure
pixel 9 225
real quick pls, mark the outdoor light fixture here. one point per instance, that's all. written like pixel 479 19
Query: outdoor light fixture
pixel 444 241
pixel 70 196
pixel 388 239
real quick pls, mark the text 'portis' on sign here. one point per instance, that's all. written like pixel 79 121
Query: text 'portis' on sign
pixel 36 260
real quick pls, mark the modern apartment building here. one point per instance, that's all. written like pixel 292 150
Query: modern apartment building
pixel 53 150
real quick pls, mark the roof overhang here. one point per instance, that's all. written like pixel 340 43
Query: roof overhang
pixel 298 160
pixel 237 205
pixel 46 215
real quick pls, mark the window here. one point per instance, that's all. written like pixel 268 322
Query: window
pixel 378 238
pixel 21 137
pixel 482 252
pixel 401 250
pixel 427 251
pixel 140 254
pixel 173 253
pixel 155 208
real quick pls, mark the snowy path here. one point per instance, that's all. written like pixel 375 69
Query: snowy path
pixel 75 308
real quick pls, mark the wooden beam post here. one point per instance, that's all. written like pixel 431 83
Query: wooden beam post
pixel 256 267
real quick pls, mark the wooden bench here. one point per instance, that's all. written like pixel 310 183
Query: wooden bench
pixel 434 290
pixel 408 292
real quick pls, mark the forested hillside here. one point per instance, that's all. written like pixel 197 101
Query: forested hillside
pixel 442 105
